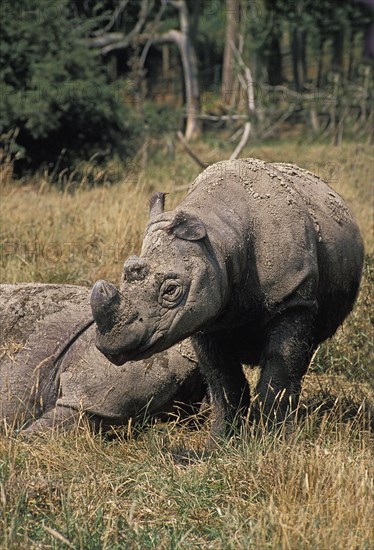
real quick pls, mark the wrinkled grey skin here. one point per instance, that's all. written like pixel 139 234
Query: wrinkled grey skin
pixel 259 263
pixel 51 371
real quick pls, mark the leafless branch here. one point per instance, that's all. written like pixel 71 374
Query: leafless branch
pixel 243 141
pixel 217 118
pixel 150 40
pixel 269 131
pixel 145 34
pixel 117 12
pixel 236 135
pixel 248 77
pixel 106 39
pixel 110 41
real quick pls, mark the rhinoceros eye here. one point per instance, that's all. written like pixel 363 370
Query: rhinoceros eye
pixel 171 289
pixel 171 292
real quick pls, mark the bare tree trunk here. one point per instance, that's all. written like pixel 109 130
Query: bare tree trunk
pixel 190 69
pixel 231 37
pixel 321 53
pixel 189 63
pixel 303 57
pixel 351 54
pixel 274 53
pixel 337 51
pixel 183 41
pixel 274 62
pixel 113 41
pixel 298 58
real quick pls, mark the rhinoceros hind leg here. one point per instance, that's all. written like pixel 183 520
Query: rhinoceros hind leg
pixel 288 351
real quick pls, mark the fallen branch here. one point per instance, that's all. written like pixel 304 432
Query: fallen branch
pixel 193 155
pixel 236 135
pixel 268 132
pixel 222 118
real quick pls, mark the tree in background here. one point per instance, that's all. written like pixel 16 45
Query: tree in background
pixel 69 69
pixel 155 25
pixel 54 89
pixel 232 41
pixel 315 37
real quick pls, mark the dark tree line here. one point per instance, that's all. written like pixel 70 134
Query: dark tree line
pixel 322 36
pixel 76 78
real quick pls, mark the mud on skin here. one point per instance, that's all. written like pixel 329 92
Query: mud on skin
pixel 258 264
pixel 51 371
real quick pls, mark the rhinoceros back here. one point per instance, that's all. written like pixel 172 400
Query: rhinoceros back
pixel 304 238
pixel 340 248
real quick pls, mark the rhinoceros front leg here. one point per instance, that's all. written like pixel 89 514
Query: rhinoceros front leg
pixel 287 353
pixel 228 388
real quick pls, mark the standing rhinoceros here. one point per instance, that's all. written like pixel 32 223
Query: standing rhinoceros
pixel 259 263
pixel 51 371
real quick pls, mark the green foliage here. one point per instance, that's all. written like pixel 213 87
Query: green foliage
pixel 161 119
pixel 324 16
pixel 271 21
pixel 54 88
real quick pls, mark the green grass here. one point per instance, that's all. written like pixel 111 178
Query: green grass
pixel 311 487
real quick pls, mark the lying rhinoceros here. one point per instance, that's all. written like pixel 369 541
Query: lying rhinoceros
pixel 51 371
pixel 259 263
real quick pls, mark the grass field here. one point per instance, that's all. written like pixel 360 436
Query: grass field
pixel 310 488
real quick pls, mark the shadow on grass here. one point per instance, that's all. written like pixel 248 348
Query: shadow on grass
pixel 318 415
pixel 183 436
pixel 340 409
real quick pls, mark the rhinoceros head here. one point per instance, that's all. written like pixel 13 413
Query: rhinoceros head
pixel 167 294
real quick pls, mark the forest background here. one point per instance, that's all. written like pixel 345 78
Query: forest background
pixel 102 79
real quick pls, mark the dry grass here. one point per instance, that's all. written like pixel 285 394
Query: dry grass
pixel 310 488
pixel 83 233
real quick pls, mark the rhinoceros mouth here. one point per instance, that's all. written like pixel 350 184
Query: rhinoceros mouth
pixel 137 354
pixel 117 359
pixel 144 350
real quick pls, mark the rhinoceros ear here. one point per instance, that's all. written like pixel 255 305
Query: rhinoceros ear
pixel 187 227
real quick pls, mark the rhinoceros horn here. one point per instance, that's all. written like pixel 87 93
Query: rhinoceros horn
pixel 104 299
